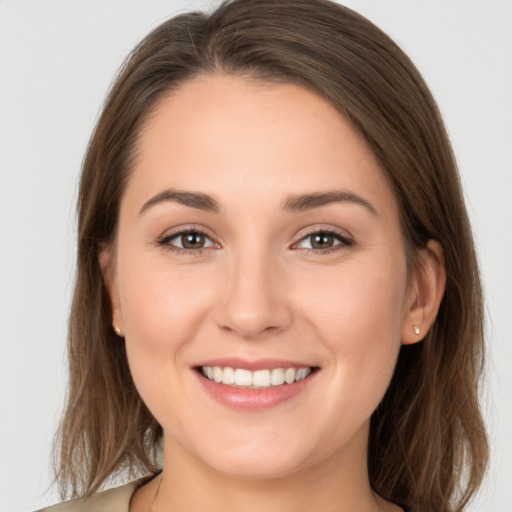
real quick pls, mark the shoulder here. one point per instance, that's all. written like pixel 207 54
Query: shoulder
pixel 112 500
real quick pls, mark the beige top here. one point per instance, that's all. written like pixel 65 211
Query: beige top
pixel 112 500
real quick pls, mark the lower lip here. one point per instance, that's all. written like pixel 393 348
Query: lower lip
pixel 254 399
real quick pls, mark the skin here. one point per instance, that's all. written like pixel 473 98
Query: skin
pixel 259 290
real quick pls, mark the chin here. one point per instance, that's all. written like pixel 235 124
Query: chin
pixel 247 468
pixel 259 460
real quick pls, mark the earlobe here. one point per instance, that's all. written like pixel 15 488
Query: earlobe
pixel 426 293
pixel 108 271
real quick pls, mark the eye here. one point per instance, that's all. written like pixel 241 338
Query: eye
pixel 324 241
pixel 189 241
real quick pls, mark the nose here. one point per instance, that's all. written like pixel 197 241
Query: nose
pixel 254 300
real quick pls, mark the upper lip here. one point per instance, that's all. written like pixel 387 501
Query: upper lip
pixel 255 364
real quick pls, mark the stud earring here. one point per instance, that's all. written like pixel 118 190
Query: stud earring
pixel 117 331
pixel 416 330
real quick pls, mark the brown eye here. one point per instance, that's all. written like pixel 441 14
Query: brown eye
pixel 192 240
pixel 189 241
pixel 322 241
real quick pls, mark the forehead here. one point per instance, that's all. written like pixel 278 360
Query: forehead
pixel 226 135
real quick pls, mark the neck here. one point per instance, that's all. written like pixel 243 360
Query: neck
pixel 187 484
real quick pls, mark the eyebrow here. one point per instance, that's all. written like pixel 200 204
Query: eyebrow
pixel 300 203
pixel 197 200
pixel 294 203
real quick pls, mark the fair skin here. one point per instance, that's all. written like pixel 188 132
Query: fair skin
pixel 322 286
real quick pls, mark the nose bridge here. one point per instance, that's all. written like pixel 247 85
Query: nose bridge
pixel 254 299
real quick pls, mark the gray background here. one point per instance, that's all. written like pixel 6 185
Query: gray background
pixel 57 59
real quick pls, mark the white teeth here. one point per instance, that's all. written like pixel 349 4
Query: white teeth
pixel 217 374
pixel 228 376
pixel 243 377
pixel 289 375
pixel 256 379
pixel 302 373
pixel 277 377
pixel 261 378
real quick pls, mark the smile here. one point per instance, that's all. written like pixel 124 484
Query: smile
pixel 254 385
pixel 258 379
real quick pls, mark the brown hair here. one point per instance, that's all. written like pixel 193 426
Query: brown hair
pixel 427 448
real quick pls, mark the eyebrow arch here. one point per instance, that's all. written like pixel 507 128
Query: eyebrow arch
pixel 295 203
pixel 191 199
pixel 300 203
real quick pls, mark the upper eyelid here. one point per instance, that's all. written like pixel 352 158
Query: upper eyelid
pixel 165 242
pixel 165 239
pixel 342 233
pixel 170 233
pixel 344 240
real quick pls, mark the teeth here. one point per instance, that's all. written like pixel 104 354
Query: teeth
pixel 243 377
pixel 217 374
pixel 289 375
pixel 228 376
pixel 261 379
pixel 302 373
pixel 256 379
pixel 277 377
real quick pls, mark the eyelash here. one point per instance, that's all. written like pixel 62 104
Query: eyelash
pixel 165 240
pixel 340 237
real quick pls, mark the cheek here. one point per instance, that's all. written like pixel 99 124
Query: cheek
pixel 359 319
pixel 357 300
pixel 160 304
pixel 162 308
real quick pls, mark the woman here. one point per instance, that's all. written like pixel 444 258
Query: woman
pixel 276 277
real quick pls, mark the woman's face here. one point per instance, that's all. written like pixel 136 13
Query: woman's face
pixel 258 242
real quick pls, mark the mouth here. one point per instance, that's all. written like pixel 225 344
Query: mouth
pixel 255 385
pixel 258 379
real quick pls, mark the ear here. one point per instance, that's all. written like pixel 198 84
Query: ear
pixel 107 266
pixel 425 293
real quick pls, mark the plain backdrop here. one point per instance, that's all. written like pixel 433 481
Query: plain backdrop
pixel 57 60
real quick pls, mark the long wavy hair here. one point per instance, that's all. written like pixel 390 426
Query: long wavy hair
pixel 427 448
